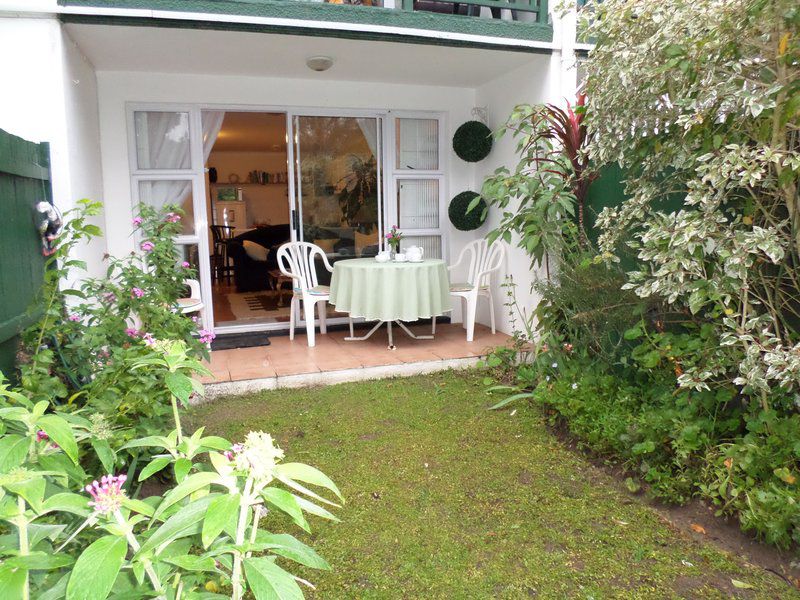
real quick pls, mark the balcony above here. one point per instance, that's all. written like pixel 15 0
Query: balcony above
pixel 508 24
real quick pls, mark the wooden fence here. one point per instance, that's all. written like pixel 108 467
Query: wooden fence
pixel 24 181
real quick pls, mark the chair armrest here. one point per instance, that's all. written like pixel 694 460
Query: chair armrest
pixel 194 287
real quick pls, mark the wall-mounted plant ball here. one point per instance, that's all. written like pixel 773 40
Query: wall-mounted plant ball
pixel 472 141
pixel 460 218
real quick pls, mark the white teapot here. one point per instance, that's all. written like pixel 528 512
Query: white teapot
pixel 414 253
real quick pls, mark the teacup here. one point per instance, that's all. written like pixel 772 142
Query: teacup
pixel 400 257
pixel 383 256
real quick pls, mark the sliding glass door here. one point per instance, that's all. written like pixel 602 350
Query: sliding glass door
pixel 338 184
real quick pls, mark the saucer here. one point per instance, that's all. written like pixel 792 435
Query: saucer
pixel 419 260
pixel 401 260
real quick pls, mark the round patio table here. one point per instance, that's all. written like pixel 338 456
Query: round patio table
pixel 390 292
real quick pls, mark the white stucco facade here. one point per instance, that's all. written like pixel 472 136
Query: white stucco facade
pixel 77 96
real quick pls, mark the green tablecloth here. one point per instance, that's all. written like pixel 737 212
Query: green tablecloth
pixel 390 291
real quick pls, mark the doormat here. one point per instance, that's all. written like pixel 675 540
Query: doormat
pixel 259 304
pixel 229 341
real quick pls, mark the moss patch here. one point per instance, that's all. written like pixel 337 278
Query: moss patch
pixel 448 500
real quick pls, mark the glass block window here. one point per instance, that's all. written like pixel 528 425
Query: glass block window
pixel 418 203
pixel 417 144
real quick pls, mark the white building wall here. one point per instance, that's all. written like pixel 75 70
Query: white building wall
pixel 531 84
pixel 116 89
pixel 51 96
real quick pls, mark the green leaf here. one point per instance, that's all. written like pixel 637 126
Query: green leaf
pixel 154 466
pixel 158 441
pixel 221 511
pixel 215 443
pixel 97 569
pixel 12 581
pixel 269 582
pixel 107 456
pixel 32 490
pixel 182 467
pixel 40 561
pixel 69 503
pixel 13 451
pixel 138 506
pixel 308 474
pixel 741 585
pixel 61 433
pixel 180 524
pixel 55 592
pixel 286 502
pixel 179 385
pixel 313 509
pixel 191 562
pixel 290 547
pixel 188 486
pixel 510 399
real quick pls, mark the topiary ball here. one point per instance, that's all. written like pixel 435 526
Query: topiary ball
pixel 472 141
pixel 460 218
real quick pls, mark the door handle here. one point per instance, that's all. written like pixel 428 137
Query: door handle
pixel 295 221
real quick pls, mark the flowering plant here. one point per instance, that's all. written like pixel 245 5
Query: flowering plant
pixel 83 346
pixel 393 238
pixel 81 538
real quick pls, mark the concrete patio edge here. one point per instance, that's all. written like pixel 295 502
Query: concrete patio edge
pixel 247 386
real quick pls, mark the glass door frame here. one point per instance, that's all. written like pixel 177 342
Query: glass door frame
pixel 295 186
pixel 389 175
pixel 295 156
pixel 195 174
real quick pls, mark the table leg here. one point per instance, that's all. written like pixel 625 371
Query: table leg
pixel 410 333
pixel 361 338
pixel 391 341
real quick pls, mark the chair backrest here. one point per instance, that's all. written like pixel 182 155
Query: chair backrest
pixel 298 259
pixel 221 233
pixel 483 260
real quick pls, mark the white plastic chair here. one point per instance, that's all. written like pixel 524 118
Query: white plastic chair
pixel 484 260
pixel 194 303
pixel 297 260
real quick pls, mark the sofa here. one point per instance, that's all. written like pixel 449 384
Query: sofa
pixel 249 274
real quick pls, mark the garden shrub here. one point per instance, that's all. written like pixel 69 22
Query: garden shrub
pixel 686 369
pixel 69 535
pixel 82 349
pixel 95 396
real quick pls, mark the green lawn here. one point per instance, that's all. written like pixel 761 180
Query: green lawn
pixel 448 500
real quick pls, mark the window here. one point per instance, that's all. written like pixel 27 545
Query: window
pixel 162 140
pixel 417 144
pixel 418 184
pixel 160 192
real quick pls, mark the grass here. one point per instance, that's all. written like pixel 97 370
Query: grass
pixel 447 500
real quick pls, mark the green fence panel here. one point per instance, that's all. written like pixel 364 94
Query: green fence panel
pixel 24 181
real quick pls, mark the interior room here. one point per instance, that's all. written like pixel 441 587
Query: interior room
pixel 249 211
pixel 247 195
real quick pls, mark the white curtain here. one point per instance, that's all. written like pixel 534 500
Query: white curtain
pixel 369 127
pixel 163 142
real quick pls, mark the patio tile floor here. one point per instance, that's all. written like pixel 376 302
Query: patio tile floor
pixel 285 357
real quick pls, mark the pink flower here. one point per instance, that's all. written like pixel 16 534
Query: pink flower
pixel 149 339
pixel 235 449
pixel 137 292
pixel 41 435
pixel 137 221
pixel 147 246
pixel 131 332
pixel 109 297
pixel 206 336
pixel 185 265
pixel 107 496
pixel 172 218
pixel 74 318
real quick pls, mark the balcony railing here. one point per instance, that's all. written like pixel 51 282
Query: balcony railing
pixel 536 8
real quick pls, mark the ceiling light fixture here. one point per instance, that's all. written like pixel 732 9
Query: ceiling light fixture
pixel 319 63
